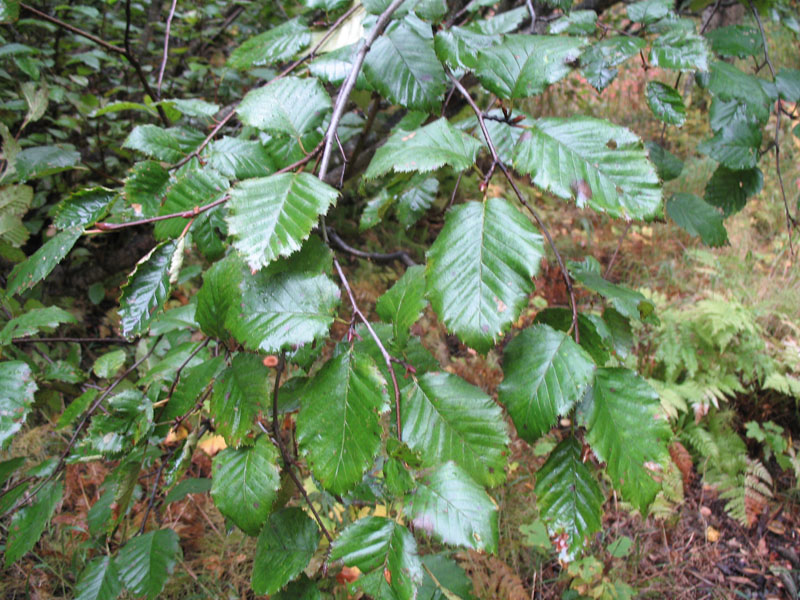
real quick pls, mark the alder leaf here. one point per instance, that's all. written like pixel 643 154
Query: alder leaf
pixel 271 216
pixel 545 375
pixel 478 282
pixel 445 418
pixel 245 482
pixel 338 425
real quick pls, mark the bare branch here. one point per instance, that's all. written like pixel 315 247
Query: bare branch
pixel 400 255
pixel 166 48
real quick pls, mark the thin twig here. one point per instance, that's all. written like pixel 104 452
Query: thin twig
pixel 76 340
pixel 791 222
pixel 400 255
pixel 531 10
pixel 523 201
pixel 166 48
pixel 616 251
pixel 185 214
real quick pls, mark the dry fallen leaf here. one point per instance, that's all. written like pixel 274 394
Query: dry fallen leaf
pixel 212 444
pixel 712 535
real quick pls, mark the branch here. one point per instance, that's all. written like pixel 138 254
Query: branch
pixel 287 461
pixel 76 340
pixel 186 214
pixel 521 198
pixel 400 255
pixel 124 52
pixel 791 222
pixel 166 48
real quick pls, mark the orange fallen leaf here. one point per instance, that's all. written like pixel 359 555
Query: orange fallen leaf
pixel 212 444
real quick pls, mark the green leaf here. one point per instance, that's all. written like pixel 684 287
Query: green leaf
pixel 729 83
pixel 9 11
pixel 666 103
pixel 729 190
pixel 478 283
pixel 192 107
pixel 275 45
pixel 146 561
pixel 377 545
pixel 219 294
pixel 239 159
pixel 449 505
pixel 545 375
pixel 591 340
pixel 338 426
pixel 599 59
pixel 41 161
pixel 649 11
pixel 169 145
pixel 39 265
pixel 192 485
pixel 416 199
pixel 245 483
pixel 291 105
pixel 285 547
pixel 147 289
pixel 425 149
pixel 274 310
pixel 7 468
pixel 402 66
pixel 595 162
pixel 109 363
pixel 788 83
pixel 192 383
pixel 240 392
pixel 450 579
pixel 33 321
pixel 28 523
pixel 577 22
pixel 628 302
pixel 76 407
pixel 271 216
pixel 17 388
pixel 504 135
pixel 697 218
pixel 194 188
pixel 445 418
pixel 736 40
pixel 736 145
pixel 524 65
pixel 99 580
pixel 668 166
pixel 84 207
pixel 145 185
pixel 625 430
pixel 568 497
pixel 15 201
pixel 680 49
pixel 404 302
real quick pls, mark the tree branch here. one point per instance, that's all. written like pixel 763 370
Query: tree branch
pixel 400 255
pixel 166 48
pixel 521 198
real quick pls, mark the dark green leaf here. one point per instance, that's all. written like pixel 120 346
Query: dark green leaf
pixel 239 159
pixel 220 293
pixel 193 382
pixel 445 418
pixel 628 302
pixel 15 201
pixel 595 162
pixel 40 161
pixel 147 560
pixel 84 207
pixel 449 576
pixel 28 523
pixel 9 11
pixel 291 105
pixel 338 426
pixel 194 188
pixel 271 216
pixel 7 467
pixel 568 497
pixel 275 45
pixel 240 392
pixel 788 82
pixel 145 185
pixel 403 304
pixel 17 388
pixel 402 66
pixel 449 505
pixel 245 483
pixel 76 407
pixel 697 218
pixel 377 545
pixel 193 485
pixel 425 149
pixel 33 321
pixel 99 580
pixel 109 363
pixel 169 145
pixel 478 283
pixel 147 289
pixel 729 83
pixel 649 11
pixel 668 166
pixel 285 547
pixel 736 40
pixel 599 59
pixel 591 340
pixel 39 265
pixel 736 145
pixel 577 22
pixel 545 375
pixel 418 198
pixel 680 49
pixel 625 430
pixel 666 103
pixel 334 67
pixel 729 190
pixel 524 65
